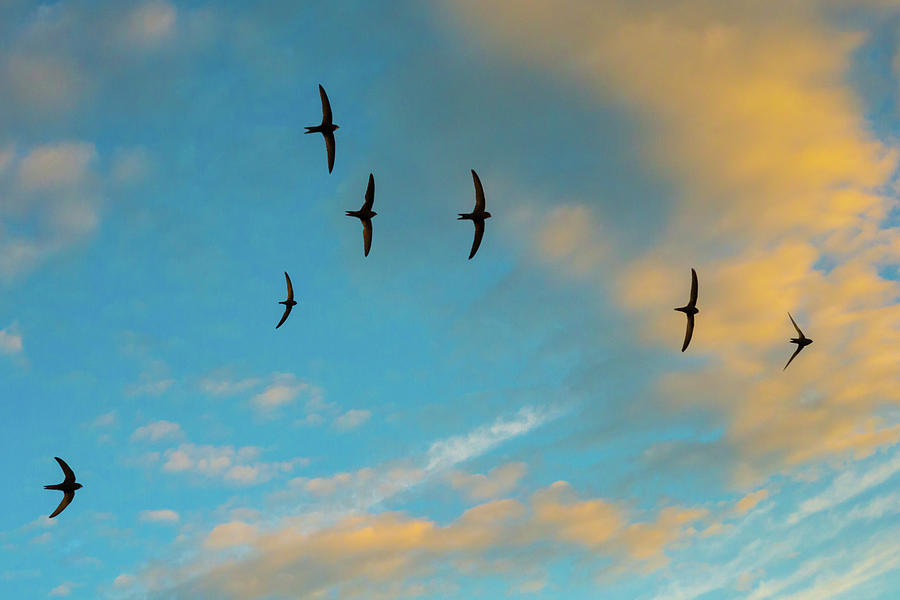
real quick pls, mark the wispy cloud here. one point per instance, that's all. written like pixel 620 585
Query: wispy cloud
pixel 157 430
pixel 352 419
pixel 160 516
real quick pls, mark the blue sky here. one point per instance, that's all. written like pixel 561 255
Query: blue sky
pixel 521 424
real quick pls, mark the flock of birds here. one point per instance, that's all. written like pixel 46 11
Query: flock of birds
pixel 365 214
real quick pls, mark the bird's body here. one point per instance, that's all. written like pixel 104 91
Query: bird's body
pixel 477 216
pixel 365 214
pixel 690 309
pixel 326 127
pixel 67 487
pixel 802 342
pixel 289 303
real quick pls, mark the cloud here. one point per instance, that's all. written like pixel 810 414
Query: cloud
pixel 498 481
pixel 847 485
pixel 238 466
pixel 152 22
pixel 105 420
pixel 56 166
pixel 766 191
pixel 159 516
pixel 352 419
pixel 284 389
pixel 452 451
pixel 228 535
pixel 129 165
pixel 52 202
pixel 216 386
pixel 751 500
pixel 10 340
pixel 157 430
pixel 123 581
pixel 63 589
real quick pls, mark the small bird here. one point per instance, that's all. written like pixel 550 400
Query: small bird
pixel 477 216
pixel 326 128
pixel 289 303
pixel 690 310
pixel 366 213
pixel 802 341
pixel 67 487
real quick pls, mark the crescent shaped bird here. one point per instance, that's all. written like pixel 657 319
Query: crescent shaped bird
pixel 326 127
pixel 67 487
pixel 289 303
pixel 365 214
pixel 802 341
pixel 477 216
pixel 690 309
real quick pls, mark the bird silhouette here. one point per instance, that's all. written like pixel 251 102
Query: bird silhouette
pixel 477 216
pixel 690 309
pixel 67 487
pixel 366 213
pixel 802 341
pixel 289 303
pixel 326 127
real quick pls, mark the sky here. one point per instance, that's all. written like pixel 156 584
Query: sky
pixel 522 424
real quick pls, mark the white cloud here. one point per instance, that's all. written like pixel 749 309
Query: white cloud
pixel 160 516
pixel 847 485
pixel 129 165
pixel 152 22
pixel 284 389
pixel 150 387
pixel 63 589
pixel 123 581
pixel 157 430
pixel 10 340
pixel 352 419
pixel 57 165
pixel 234 465
pixel 105 420
pixel 452 451
pixel 216 386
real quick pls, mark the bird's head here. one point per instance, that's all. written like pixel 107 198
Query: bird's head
pixel 77 486
pixel 487 215
pixel 374 213
pixel 336 126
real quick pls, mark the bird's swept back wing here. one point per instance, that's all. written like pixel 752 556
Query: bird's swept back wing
pixel 326 106
pixel 287 311
pixel 689 332
pixel 479 233
pixel 800 333
pixel 479 193
pixel 370 193
pixel 796 352
pixel 67 499
pixel 290 288
pixel 329 147
pixel 693 287
pixel 70 476
pixel 367 235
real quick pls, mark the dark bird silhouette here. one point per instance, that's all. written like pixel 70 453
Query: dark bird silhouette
pixel 326 127
pixel 802 341
pixel 366 213
pixel 690 309
pixel 289 303
pixel 477 216
pixel 67 487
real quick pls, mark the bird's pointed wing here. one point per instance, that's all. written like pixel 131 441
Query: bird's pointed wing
pixel 67 499
pixel 287 311
pixel 329 147
pixel 796 352
pixel 795 327
pixel 479 233
pixel 70 476
pixel 693 287
pixel 479 192
pixel 370 193
pixel 367 235
pixel 689 332
pixel 326 106
pixel 290 288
